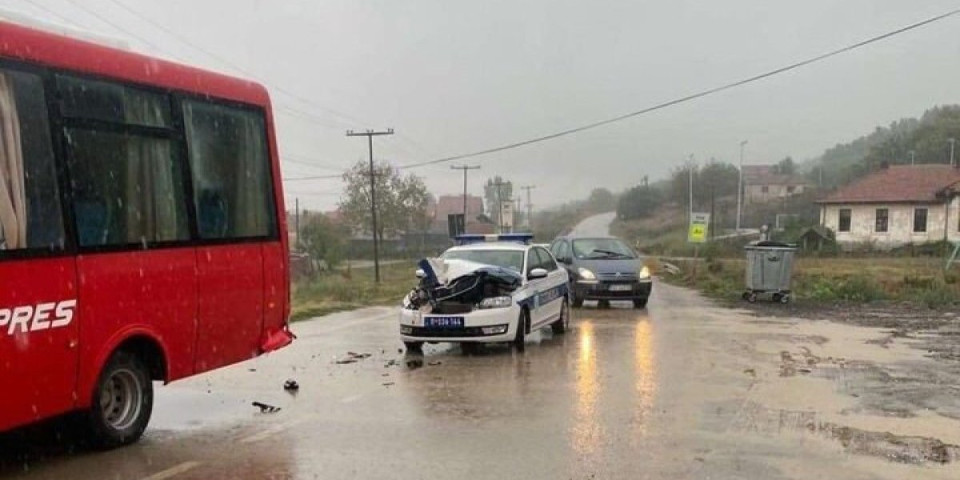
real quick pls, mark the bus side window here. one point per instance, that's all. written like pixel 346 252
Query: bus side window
pixel 212 214
pixel 231 171
pixel 29 196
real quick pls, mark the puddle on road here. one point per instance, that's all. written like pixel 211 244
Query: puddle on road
pixel 907 449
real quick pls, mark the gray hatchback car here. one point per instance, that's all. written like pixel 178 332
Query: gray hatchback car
pixel 603 269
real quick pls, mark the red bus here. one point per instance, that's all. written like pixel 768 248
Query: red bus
pixel 142 231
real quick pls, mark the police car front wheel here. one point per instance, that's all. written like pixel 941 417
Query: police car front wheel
pixel 122 402
pixel 520 336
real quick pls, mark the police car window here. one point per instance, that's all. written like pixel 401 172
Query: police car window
pixel 546 261
pixel 512 259
pixel 29 198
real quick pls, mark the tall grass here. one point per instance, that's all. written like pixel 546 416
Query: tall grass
pixel 339 290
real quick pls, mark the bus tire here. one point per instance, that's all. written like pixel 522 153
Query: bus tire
pixel 122 402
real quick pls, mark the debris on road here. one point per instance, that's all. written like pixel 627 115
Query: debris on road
pixel 391 363
pixel 352 357
pixel 414 363
pixel 291 385
pixel 387 384
pixel 264 408
pixel 434 364
pixel 751 372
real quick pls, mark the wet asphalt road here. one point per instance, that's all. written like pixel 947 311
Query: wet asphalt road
pixel 680 390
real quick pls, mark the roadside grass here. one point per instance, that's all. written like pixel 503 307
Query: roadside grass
pixel 916 281
pixel 339 290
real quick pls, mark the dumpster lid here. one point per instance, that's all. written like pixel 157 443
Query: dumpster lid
pixel 767 244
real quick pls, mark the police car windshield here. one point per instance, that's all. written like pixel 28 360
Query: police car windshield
pixel 601 248
pixel 512 259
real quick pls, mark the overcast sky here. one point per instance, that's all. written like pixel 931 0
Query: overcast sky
pixel 454 76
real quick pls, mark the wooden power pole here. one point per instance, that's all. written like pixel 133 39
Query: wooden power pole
pixel 373 195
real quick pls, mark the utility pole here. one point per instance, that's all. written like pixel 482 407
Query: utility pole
pixel 913 157
pixel 499 183
pixel 373 195
pixel 740 188
pixel 528 188
pixel 465 168
pixel 953 142
pixel 690 171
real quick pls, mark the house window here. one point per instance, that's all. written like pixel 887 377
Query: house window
pixel 882 220
pixel 920 220
pixel 765 189
pixel 844 224
pixel 791 189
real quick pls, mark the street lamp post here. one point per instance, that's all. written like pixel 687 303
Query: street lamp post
pixel 740 187
pixel 953 142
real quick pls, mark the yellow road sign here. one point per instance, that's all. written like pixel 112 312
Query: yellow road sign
pixel 699 224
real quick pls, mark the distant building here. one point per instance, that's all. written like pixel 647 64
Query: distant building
pixel 895 206
pixel 448 204
pixel 761 184
pixel 453 204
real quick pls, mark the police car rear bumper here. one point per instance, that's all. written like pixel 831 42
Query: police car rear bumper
pixel 483 326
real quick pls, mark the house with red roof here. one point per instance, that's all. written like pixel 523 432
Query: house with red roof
pixel 896 205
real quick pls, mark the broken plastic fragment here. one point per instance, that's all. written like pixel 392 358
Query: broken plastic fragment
pixel 264 408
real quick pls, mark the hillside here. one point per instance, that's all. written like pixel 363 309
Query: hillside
pixel 923 140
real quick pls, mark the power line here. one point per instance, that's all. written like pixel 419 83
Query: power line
pixel 69 21
pixel 118 27
pixel 687 98
pixel 235 66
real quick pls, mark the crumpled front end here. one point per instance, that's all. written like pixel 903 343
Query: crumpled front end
pixel 461 301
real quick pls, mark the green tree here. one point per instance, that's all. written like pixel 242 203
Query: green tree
pixel 601 200
pixel 786 166
pixel 323 239
pixel 401 200
pixel 714 180
pixel 639 202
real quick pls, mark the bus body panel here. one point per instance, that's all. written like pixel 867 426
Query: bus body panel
pixel 153 293
pixel 141 291
pixel 230 313
pixel 275 288
pixel 31 45
pixel 38 359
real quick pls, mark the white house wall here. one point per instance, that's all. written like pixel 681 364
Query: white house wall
pixel 899 224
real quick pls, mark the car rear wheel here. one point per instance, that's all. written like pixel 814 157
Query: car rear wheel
pixel 122 402
pixel 562 324
pixel 518 338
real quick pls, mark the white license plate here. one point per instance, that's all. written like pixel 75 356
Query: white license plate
pixel 621 288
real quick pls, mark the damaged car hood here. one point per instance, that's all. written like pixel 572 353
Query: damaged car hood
pixel 451 270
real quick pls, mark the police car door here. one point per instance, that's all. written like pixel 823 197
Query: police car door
pixel 554 286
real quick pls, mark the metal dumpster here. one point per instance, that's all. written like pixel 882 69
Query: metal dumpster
pixel 769 267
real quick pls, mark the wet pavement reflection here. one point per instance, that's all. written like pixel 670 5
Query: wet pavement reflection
pixel 663 392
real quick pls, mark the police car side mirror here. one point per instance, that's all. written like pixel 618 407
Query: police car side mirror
pixel 537 273
pixel 420 273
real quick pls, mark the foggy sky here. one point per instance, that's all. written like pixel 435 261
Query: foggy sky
pixel 454 76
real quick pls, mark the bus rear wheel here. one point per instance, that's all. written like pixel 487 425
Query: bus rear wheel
pixel 122 402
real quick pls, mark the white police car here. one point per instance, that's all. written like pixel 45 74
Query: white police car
pixel 490 288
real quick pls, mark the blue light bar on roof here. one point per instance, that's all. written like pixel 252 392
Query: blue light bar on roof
pixel 524 238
